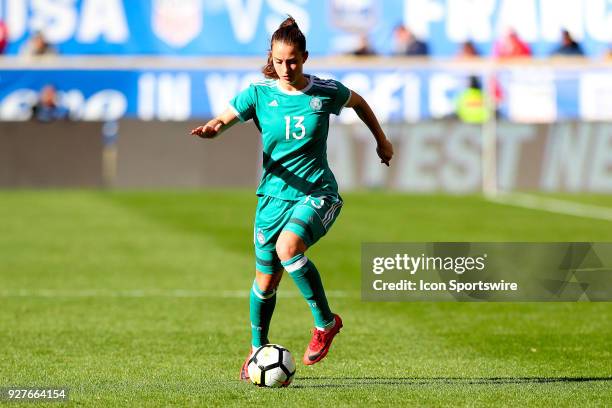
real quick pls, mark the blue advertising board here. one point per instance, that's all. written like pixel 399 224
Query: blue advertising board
pixel 540 95
pixel 243 27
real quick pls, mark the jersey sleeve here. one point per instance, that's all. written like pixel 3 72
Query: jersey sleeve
pixel 243 104
pixel 341 98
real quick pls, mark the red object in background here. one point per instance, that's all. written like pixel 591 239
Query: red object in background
pixel 3 36
pixel 495 90
pixel 511 46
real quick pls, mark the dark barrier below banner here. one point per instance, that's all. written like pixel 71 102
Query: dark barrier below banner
pixel 165 155
pixel 60 154
pixel 430 157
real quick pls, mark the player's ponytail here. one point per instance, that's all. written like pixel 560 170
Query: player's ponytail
pixel 289 33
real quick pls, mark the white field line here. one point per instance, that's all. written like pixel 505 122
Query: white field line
pixel 164 293
pixel 553 205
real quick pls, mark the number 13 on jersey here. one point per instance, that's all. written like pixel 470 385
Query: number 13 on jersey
pixel 297 124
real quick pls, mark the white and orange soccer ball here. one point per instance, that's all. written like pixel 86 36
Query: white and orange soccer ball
pixel 271 365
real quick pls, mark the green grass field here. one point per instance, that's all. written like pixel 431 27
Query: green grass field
pixel 140 299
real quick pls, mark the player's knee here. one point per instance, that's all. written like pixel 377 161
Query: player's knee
pixel 287 249
pixel 268 282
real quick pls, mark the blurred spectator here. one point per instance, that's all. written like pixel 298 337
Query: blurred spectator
pixel 472 104
pixel 468 50
pixel 47 109
pixel 37 45
pixel 511 46
pixel 568 46
pixel 3 36
pixel 405 43
pixel 364 48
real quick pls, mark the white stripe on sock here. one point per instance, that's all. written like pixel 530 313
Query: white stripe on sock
pixel 259 295
pixel 328 327
pixel 297 264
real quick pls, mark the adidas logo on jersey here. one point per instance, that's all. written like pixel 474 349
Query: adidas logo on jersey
pixel 273 103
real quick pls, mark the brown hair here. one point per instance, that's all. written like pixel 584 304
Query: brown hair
pixel 289 33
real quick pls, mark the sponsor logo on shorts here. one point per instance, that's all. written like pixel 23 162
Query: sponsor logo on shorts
pixel 261 237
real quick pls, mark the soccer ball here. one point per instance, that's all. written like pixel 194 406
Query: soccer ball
pixel 271 366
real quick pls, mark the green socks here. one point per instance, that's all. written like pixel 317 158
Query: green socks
pixel 308 281
pixel 261 309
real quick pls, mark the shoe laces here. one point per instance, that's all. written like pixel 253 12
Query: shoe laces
pixel 318 339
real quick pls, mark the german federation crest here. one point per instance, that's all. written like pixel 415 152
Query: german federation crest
pixel 315 103
pixel 260 237
pixel 177 22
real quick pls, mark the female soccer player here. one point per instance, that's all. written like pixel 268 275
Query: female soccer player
pixel 298 195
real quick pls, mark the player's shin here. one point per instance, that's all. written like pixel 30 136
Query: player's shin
pixel 261 308
pixel 308 280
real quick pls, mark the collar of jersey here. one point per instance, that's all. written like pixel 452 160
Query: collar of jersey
pixel 299 91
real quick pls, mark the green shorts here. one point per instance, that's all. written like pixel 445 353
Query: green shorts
pixel 309 218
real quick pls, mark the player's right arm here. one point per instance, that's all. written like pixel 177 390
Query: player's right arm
pixel 241 108
pixel 217 125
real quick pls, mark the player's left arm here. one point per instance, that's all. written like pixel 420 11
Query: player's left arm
pixel 384 148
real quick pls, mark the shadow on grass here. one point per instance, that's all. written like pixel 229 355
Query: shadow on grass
pixel 347 382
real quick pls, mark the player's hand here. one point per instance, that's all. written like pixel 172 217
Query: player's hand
pixel 385 151
pixel 209 130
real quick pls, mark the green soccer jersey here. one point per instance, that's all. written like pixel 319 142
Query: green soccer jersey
pixel 294 127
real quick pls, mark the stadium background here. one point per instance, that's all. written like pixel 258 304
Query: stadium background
pixel 125 255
